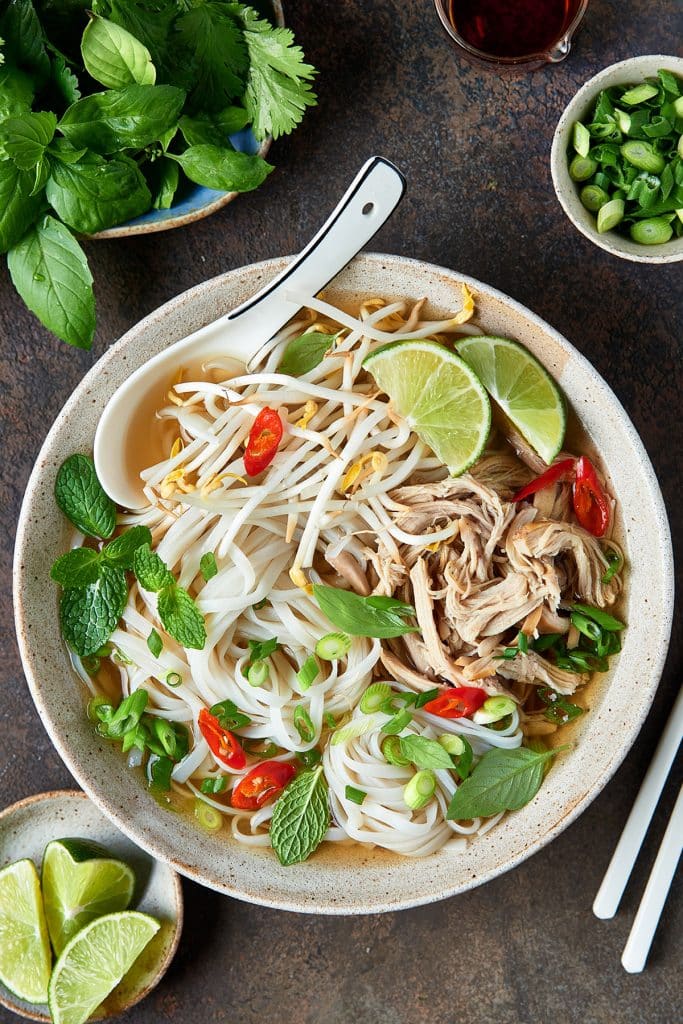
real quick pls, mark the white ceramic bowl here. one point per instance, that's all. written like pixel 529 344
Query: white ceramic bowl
pixel 351 879
pixel 25 830
pixel 626 72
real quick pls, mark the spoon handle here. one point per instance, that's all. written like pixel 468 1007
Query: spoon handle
pixel 365 206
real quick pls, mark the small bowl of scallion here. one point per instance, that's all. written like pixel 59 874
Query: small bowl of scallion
pixel 617 159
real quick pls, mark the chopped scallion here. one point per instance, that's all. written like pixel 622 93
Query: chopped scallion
pixel 329 720
pixel 258 673
pixel 602 618
pixel 420 790
pixel 214 784
pixel 308 673
pixel 309 758
pixel 522 643
pixel 207 816
pixel 391 748
pixel 452 744
pixel 614 562
pixel 374 697
pixel 173 679
pixel 303 723
pixel 425 697
pixel 493 709
pixel 398 723
pixel 357 796
pixel 99 701
pixel 333 646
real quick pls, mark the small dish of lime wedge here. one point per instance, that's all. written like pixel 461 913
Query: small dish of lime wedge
pixel 88 922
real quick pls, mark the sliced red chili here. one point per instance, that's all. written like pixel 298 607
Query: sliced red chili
pixel 222 743
pixel 563 470
pixel 261 784
pixel 457 702
pixel 264 437
pixel 591 504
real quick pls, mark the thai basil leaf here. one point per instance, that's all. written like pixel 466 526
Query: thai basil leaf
pixel 381 617
pixel 18 208
pixel 163 176
pixel 25 138
pixel 213 129
pixel 91 196
pixel 223 169
pixel 425 753
pixel 504 780
pixel 306 352
pixel 114 57
pixel 24 39
pixel 50 272
pixel 122 118
pixel 301 817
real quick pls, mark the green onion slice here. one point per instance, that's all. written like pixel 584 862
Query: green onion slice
pixel 333 646
pixel 602 618
pixel 213 784
pixel 258 673
pixel 303 723
pixel 420 790
pixel 309 758
pixel 208 817
pixel 452 744
pixel 173 679
pixel 614 563
pixel 374 697
pixel 308 673
pixel 398 723
pixel 391 748
pixel 357 796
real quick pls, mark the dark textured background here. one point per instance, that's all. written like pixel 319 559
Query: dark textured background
pixel 524 949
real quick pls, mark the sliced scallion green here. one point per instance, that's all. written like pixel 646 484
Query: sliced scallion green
pixel 398 723
pixel 609 215
pixel 96 702
pixel 374 697
pixel 309 758
pixel 173 679
pixel 602 618
pixel 582 168
pixel 427 695
pixel 391 748
pixel 420 790
pixel 638 94
pixel 333 646
pixel 208 817
pixel 308 673
pixel 213 784
pixel 258 673
pixel 303 723
pixel 652 231
pixel 452 744
pixel 614 562
pixel 493 709
pixel 581 139
pixel 357 796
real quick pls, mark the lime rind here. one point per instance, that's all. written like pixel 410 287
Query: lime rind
pixel 25 956
pixel 94 961
pixel 522 387
pixel 81 882
pixel 439 395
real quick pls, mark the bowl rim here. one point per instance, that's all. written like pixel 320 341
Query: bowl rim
pixel 164 963
pixel 323 905
pixel 565 187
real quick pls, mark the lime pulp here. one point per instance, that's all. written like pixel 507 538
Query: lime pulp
pixel 25 957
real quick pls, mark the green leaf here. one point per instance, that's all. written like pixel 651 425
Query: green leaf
pixel 16 92
pixel 163 176
pixel 504 780
pixel 18 209
pixel 278 90
pixel 114 57
pixel 89 615
pixel 91 196
pixel 82 499
pixel 305 353
pixel 364 616
pixel 215 46
pixel 213 129
pixel 224 169
pixel 301 817
pixel 207 565
pixel 150 22
pixel 77 568
pixel 155 644
pixel 150 570
pixel 121 550
pixel 260 649
pixel 60 149
pixel 25 138
pixel 64 79
pixel 24 39
pixel 181 617
pixel 425 753
pixel 122 118
pixel 50 272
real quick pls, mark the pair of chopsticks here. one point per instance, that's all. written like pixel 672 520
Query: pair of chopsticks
pixel 623 860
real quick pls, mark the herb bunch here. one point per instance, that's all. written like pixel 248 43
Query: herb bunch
pixel 108 108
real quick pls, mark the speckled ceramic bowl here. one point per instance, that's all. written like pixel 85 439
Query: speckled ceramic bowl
pixel 351 879
pixel 196 202
pixel 626 72
pixel 25 830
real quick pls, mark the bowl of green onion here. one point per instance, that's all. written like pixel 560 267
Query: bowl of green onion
pixel 617 159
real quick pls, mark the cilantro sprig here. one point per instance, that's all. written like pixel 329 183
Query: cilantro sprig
pixel 107 112
pixel 94 583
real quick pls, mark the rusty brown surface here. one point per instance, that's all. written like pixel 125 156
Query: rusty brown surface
pixel 524 949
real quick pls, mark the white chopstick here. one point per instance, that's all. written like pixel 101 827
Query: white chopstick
pixel 624 857
pixel 658 884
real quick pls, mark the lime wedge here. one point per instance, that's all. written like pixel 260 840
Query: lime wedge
pixel 81 882
pixel 522 387
pixel 25 957
pixel 438 394
pixel 95 961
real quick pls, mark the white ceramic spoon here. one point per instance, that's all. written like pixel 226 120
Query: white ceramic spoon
pixel 365 206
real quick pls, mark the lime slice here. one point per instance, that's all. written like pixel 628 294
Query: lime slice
pixel 523 389
pixel 81 882
pixel 438 394
pixel 25 957
pixel 95 961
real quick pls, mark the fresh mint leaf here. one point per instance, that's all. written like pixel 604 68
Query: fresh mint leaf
pixel 18 209
pixel 114 57
pixel 163 176
pixel 25 138
pixel 425 753
pixel 223 169
pixel 77 568
pixel 504 780
pixel 207 565
pixel 381 617
pixel 82 499
pixel 213 129
pixel 150 570
pixel 278 89
pixel 181 617
pixel 24 39
pixel 306 352
pixel 129 118
pixel 89 615
pixel 301 817
pixel 91 196
pixel 121 551
pixel 215 45
pixel 155 644
pixel 50 272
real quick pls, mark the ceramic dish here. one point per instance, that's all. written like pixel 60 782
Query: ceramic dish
pixel 351 879
pixel 196 202
pixel 626 72
pixel 25 830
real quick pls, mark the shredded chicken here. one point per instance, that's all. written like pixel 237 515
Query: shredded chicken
pixel 349 569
